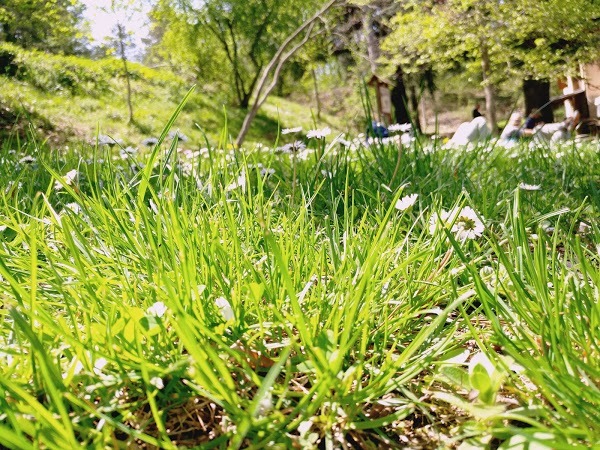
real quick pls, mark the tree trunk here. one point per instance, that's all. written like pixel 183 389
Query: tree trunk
pixel 371 39
pixel 414 104
pixel 317 99
pixel 488 89
pixel 537 94
pixel 121 34
pixel 245 101
pixel 400 99
pixel 128 80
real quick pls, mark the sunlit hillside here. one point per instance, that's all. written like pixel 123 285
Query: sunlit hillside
pixel 74 99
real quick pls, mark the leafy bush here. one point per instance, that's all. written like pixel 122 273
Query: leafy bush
pixel 74 75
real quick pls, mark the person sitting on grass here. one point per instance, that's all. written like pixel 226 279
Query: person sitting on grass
pixel 513 129
pixel 558 131
pixel 516 129
pixel 533 119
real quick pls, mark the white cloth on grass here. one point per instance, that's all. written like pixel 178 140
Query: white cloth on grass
pixel 471 132
pixel 552 132
pixel 559 131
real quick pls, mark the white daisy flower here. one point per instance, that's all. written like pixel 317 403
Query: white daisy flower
pixel 304 427
pixel 438 220
pixel 584 228
pixel 157 382
pixel 77 369
pixel 267 171
pixel 319 134
pixel 294 147
pixel 205 188
pixel 406 202
pixel 73 207
pixel 67 180
pixel 158 309
pixel 467 224
pixel 27 159
pixel 529 187
pixel 403 127
pixel 225 308
pixel 240 182
pixel 406 139
pixel 99 365
pixel 303 155
pixel 266 404
pixel 291 130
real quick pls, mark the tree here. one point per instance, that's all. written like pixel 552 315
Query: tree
pixel 362 26
pixel 554 36
pixel 123 11
pixel 448 33
pixel 248 33
pixel 549 41
pixel 122 40
pixel 498 39
pixel 182 43
pixel 48 25
pixel 312 59
pixel 270 74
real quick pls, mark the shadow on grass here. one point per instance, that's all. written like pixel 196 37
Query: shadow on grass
pixel 16 121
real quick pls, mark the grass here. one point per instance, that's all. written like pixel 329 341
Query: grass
pixel 70 120
pixel 260 298
pixel 72 99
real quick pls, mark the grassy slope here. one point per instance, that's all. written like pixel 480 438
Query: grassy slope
pixel 64 117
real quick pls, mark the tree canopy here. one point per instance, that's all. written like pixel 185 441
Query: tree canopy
pixel 494 40
pixel 227 38
pixel 49 25
pixel 523 39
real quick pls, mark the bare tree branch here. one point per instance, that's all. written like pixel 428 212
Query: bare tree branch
pixel 281 62
pixel 275 65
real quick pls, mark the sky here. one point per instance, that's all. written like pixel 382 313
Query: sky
pixel 102 20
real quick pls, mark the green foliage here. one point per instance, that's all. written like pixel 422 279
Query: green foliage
pixel 552 37
pixel 76 75
pixel 53 25
pixel 226 41
pixel 186 47
pixel 449 34
pixel 537 40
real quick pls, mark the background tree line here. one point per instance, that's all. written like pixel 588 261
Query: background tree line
pixel 228 45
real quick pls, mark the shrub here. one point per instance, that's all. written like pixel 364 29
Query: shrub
pixel 72 74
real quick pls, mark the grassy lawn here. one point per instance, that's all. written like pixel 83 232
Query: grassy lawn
pixel 72 119
pixel 71 100
pixel 331 297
